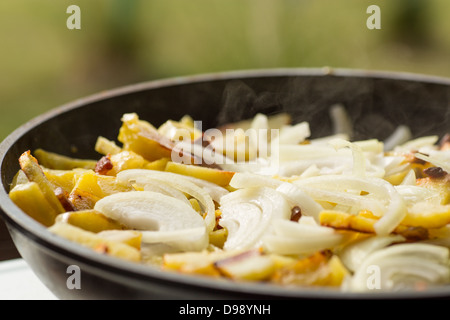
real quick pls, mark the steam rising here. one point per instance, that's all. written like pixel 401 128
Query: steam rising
pixel 391 110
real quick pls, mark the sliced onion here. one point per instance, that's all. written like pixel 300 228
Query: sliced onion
pixel 194 239
pixel 324 141
pixel 397 263
pixel 163 216
pixel 247 179
pixel 294 134
pixel 214 190
pixel 305 152
pixel 354 254
pixel 291 228
pixel 141 176
pixel 395 210
pixel 165 189
pixel 300 246
pixel 401 135
pixel 341 120
pixel 370 145
pixel 347 199
pixel 359 160
pixel 413 194
pixel 436 160
pixel 248 213
pixel 294 195
pixel 337 164
pixel 294 238
pixel 297 197
pixel 418 143
pixel 260 121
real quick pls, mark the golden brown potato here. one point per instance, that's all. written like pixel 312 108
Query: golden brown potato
pixel 97 242
pixel 90 220
pixel 30 198
pixel 217 176
pixel 34 173
pixel 56 161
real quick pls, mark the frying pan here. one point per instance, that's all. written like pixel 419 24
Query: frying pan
pixel 377 103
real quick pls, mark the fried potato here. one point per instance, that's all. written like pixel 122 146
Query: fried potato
pixel 30 198
pixel 142 138
pixel 34 173
pixel 365 221
pixel 97 242
pixel 319 269
pixel 250 265
pixel 91 187
pixel 217 176
pixel 53 160
pixel 90 220
pixel 105 146
pixel 130 237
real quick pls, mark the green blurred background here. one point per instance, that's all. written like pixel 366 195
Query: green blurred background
pixel 43 64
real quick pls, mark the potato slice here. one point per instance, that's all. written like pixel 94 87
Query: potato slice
pixel 319 269
pixel 346 221
pixel 250 265
pixel 440 185
pixel 195 262
pixel 219 177
pixel 130 237
pixel 427 215
pixel 56 161
pixel 364 222
pixel 218 237
pixel 90 220
pixel 141 137
pixel 82 200
pixel 34 172
pixel 159 164
pixel 100 185
pixel 105 146
pixel 64 179
pixel 19 178
pixel 91 187
pixel 96 242
pixel 30 198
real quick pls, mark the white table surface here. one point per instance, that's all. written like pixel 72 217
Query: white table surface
pixel 18 282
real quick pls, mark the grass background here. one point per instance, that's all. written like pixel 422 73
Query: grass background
pixel 43 64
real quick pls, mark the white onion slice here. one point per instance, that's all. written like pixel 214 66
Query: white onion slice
pixel 324 141
pixel 165 189
pixel 395 210
pixel 359 160
pixel 294 246
pixel 434 159
pixel 342 122
pixel 418 143
pixel 291 228
pixel 193 239
pixel 401 135
pixel 297 238
pixel 141 176
pixel 248 213
pixel 353 255
pixel 158 213
pixel 247 180
pixel 305 152
pixel 214 190
pixel 297 197
pixel 388 267
pixel 347 199
pixel 413 194
pixel 293 134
